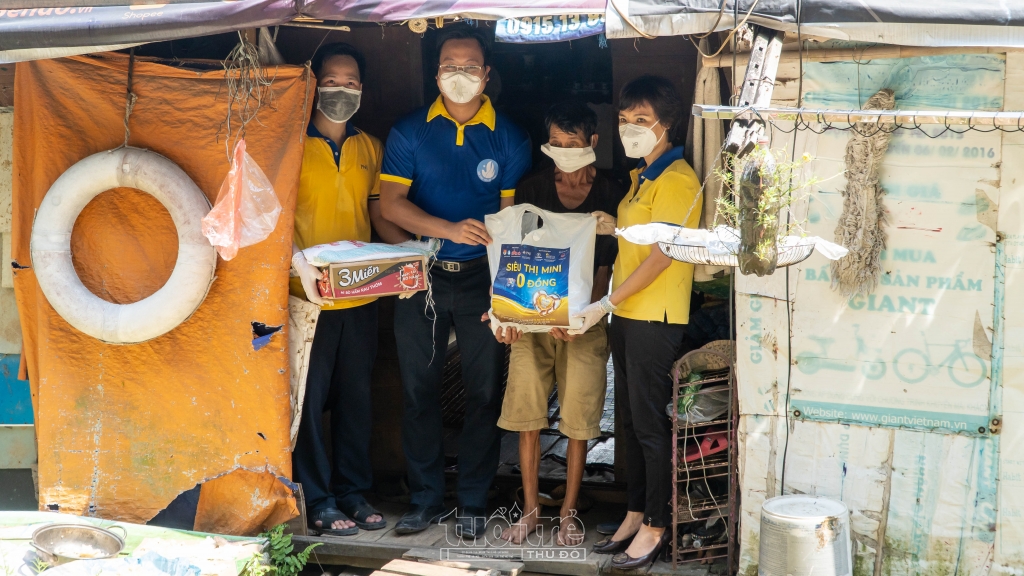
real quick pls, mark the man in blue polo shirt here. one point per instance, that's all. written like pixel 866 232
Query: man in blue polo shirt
pixel 446 167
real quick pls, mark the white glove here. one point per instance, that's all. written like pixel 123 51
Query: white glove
pixel 593 314
pixel 605 222
pixel 309 276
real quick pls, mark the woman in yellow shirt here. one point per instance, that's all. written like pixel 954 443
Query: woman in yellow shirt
pixel 650 304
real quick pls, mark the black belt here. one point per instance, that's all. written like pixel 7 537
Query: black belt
pixel 452 266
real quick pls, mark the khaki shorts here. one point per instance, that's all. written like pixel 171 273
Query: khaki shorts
pixel 579 367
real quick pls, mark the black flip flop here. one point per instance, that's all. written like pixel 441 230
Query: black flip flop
pixel 360 511
pixel 329 516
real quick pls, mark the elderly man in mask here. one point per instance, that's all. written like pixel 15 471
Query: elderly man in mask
pixel 577 363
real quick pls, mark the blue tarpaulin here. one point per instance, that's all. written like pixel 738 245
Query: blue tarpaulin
pixel 15 398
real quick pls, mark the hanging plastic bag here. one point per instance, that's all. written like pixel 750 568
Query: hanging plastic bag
pixel 247 208
pixel 542 267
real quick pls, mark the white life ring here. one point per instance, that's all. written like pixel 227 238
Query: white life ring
pixel 193 272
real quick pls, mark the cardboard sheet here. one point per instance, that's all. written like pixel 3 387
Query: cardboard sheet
pixel 122 430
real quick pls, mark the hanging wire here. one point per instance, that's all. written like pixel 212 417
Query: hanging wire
pixel 736 28
pixel 625 19
pixel 734 98
pixel 868 129
pixel 789 214
pixel 249 89
pixel 129 97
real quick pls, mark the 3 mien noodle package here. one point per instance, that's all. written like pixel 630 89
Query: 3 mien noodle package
pixel 542 267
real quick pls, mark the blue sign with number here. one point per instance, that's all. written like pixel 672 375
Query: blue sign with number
pixel 549 28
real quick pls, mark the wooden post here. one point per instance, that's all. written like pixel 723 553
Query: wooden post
pixel 758 84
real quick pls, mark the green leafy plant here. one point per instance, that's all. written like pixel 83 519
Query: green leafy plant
pixel 756 188
pixel 282 561
pixel 39 565
pixel 255 567
pixel 689 393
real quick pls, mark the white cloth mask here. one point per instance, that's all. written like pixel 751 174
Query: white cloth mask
pixel 460 87
pixel 639 141
pixel 570 159
pixel 338 103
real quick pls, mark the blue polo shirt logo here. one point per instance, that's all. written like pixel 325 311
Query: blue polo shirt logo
pixel 487 170
pixel 452 180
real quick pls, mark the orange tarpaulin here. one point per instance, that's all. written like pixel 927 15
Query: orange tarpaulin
pixel 123 429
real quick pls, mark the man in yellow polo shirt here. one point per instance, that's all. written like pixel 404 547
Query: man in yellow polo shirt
pixel 337 200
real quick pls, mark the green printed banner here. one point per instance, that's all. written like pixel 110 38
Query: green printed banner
pixel 966 424
pixel 914 351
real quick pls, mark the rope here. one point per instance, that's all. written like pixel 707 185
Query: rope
pixel 129 98
pixel 725 42
pixel 308 74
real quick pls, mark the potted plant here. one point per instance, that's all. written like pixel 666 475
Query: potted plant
pixel 756 190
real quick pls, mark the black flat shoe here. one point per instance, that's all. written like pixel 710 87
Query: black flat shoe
pixel 609 546
pixel 419 518
pixel 471 522
pixel 624 561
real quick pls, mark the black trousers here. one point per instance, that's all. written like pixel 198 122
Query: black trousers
pixel 643 354
pixel 460 298
pixel 340 366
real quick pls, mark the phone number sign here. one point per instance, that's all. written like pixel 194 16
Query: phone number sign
pixel 549 28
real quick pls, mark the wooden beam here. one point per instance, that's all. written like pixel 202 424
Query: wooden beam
pixel 756 91
pixel 791 54
pixel 407 568
pixel 432 555
pixel 6 85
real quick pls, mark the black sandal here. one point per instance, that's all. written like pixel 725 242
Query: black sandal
pixel 360 511
pixel 327 517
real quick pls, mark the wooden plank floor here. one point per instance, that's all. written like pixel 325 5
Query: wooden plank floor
pixel 373 549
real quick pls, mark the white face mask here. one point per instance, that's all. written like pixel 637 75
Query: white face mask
pixel 338 103
pixel 460 87
pixel 570 159
pixel 639 141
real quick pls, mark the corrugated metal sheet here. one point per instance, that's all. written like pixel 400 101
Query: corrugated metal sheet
pixel 907 22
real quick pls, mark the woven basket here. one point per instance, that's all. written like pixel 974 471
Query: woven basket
pixel 701 255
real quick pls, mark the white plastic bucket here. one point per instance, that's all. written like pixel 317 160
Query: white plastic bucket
pixel 805 536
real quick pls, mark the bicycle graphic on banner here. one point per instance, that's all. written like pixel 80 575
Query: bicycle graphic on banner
pixel 911 365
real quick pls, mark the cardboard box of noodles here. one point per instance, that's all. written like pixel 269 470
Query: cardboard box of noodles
pixel 382 277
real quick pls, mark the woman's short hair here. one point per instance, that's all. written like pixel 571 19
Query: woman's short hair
pixel 572 117
pixel 338 49
pixel 660 94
